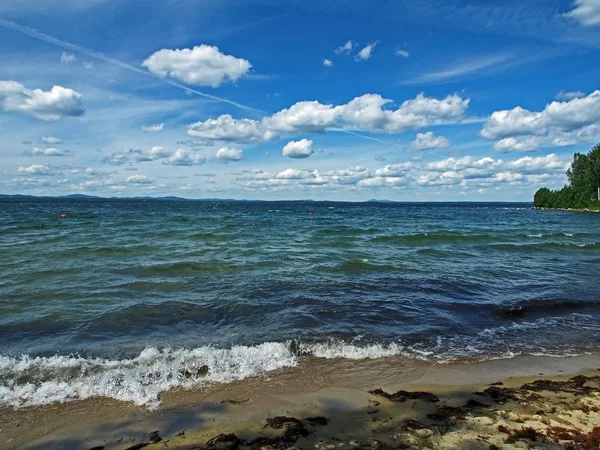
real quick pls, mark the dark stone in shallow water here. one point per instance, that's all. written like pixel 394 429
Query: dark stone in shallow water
pixel 224 442
pixel 138 446
pixel 447 412
pixel 575 385
pixel 471 404
pixel 499 395
pixel 154 437
pixel 279 421
pixel 318 420
pixel 412 424
pixel 402 396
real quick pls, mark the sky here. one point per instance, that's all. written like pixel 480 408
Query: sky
pixel 353 100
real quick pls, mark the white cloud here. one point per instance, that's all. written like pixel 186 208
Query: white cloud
pixel 383 181
pixel 138 179
pixel 515 122
pixel 88 65
pixel 366 52
pixel 303 116
pixel 538 164
pixel 51 140
pixel 67 58
pixel 346 48
pixel 138 155
pixel 49 151
pixel 587 12
pixel 178 157
pixel 559 123
pixel 39 169
pixel 229 154
pixel 327 63
pixel 182 157
pixel 428 141
pixel 298 149
pixel 466 173
pixel 511 144
pixel 226 128
pixel 403 53
pixel 367 113
pixel 45 105
pixel 562 95
pixel 204 65
pixel 153 128
pixel 394 170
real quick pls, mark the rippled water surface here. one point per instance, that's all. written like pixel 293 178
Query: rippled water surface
pixel 130 298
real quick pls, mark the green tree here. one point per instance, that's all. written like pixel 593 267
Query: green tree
pixel 583 187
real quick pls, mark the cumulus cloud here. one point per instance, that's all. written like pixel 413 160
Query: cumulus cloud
pixel 369 112
pixel 226 128
pixel 67 58
pixel 428 141
pixel 138 179
pixel 366 52
pixel 559 123
pixel 586 12
pixel 346 48
pixel 327 63
pixel 153 128
pixel 466 173
pixel 298 149
pixel 39 169
pixel 383 181
pixel 402 53
pixel 511 144
pixel 229 154
pixel 562 95
pixel 178 157
pixel 182 157
pixel 394 170
pixel 49 151
pixel 203 65
pixel 45 105
pixel 51 140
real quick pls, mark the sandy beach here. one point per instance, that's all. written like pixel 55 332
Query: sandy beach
pixel 524 402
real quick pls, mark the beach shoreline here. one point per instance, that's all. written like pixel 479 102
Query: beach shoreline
pixel 353 398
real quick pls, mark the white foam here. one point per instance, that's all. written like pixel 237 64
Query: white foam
pixel 30 381
pixel 335 349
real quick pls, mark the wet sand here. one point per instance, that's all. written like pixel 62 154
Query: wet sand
pixel 323 404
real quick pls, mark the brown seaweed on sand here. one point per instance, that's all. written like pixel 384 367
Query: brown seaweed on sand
pixel 402 396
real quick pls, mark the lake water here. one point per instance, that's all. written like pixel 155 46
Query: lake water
pixel 128 299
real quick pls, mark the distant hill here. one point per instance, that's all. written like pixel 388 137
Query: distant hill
pixel 94 197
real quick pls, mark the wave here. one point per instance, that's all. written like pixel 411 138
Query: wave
pixel 541 235
pixel 27 381
pixel 540 307
pixel 435 238
pixel 546 246
pixel 32 381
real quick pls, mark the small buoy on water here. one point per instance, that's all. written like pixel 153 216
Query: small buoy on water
pixel 473 213
pixel 310 213
pixel 63 215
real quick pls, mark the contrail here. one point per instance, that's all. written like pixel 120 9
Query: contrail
pixel 354 133
pixel 97 55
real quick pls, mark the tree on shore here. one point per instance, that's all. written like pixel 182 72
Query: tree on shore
pixel 583 189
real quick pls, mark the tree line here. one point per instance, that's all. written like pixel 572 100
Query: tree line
pixel 583 188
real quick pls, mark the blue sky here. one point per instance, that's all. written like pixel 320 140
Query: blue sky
pixel 257 99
